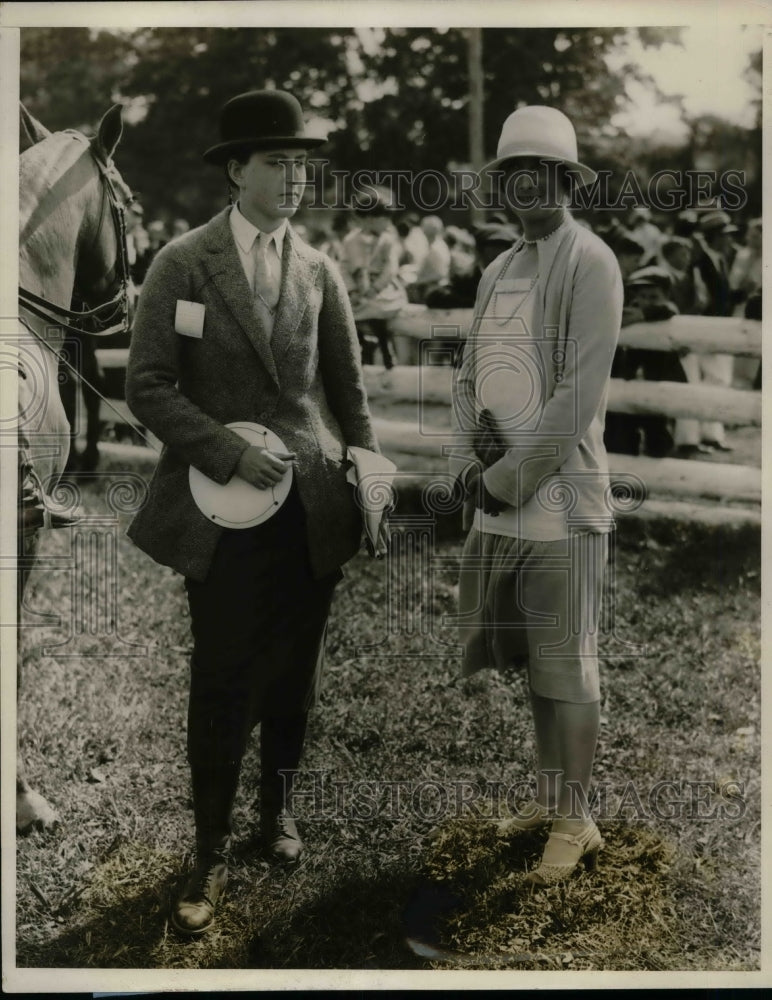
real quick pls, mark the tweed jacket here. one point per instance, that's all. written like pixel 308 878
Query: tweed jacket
pixel 305 384
pixel 579 311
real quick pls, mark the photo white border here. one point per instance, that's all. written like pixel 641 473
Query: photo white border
pixel 364 13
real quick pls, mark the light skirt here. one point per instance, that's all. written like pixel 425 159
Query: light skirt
pixel 525 603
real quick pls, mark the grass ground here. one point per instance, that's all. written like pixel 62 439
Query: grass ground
pixel 400 848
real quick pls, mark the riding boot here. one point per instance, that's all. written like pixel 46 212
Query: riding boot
pixel 281 747
pixel 214 791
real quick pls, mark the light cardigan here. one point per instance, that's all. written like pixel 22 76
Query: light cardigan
pixel 579 313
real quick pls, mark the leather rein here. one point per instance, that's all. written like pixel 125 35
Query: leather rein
pixel 112 316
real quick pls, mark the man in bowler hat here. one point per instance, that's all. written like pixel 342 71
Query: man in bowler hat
pixel 275 344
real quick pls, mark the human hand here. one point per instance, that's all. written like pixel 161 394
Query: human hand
pixel 263 468
pixel 488 445
pixel 475 488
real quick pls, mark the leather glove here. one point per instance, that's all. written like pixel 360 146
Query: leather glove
pixel 475 487
pixel 488 445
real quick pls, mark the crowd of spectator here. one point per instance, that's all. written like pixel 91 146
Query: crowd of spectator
pixel 143 243
pixel 700 264
pixel 692 263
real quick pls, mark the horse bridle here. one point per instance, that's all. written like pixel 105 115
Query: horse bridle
pixel 112 316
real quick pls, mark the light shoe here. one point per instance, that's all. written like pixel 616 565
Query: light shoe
pixel 563 852
pixel 533 816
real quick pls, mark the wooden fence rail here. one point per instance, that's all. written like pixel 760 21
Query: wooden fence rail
pixel 411 409
pixel 430 386
pixel 738 407
pixel 699 334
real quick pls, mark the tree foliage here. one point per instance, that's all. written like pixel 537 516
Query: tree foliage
pixel 69 77
pixel 394 99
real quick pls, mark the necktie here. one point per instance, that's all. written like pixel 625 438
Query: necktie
pixel 266 277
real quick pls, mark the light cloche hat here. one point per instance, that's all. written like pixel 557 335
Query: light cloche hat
pixel 543 132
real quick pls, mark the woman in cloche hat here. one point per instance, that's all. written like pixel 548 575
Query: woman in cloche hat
pixel 240 321
pixel 529 405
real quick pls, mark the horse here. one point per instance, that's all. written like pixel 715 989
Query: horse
pixel 72 246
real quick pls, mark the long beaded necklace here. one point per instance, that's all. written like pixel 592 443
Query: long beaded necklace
pixel 504 320
pixel 519 245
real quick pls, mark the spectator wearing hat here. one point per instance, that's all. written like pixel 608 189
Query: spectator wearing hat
pixel 239 320
pixel 528 410
pixel 338 228
pixel 461 291
pixel 621 429
pixel 134 217
pixel 157 238
pixel 352 251
pixel 713 264
pixel 746 280
pixel 745 277
pixel 414 240
pixel 688 293
pixel 687 290
pixel 136 244
pixel 649 297
pixel 716 231
pixel 462 256
pixel 686 223
pixel 646 232
pixel 408 262
pixel 647 300
pixel 629 253
pixel 381 292
pixel 435 267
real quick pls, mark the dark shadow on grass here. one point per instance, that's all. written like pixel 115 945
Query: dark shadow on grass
pixel 358 924
pixel 124 936
pixel 376 922
pixel 692 557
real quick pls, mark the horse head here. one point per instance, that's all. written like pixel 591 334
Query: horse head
pixel 102 266
pixel 72 242
pixel 71 247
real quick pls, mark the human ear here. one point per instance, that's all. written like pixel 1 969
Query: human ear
pixel 235 171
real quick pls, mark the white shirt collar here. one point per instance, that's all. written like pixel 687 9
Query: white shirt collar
pixel 245 233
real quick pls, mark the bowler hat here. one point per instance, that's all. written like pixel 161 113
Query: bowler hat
pixel 260 119
pixel 543 132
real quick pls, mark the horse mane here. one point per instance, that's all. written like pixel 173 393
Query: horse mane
pixel 30 130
